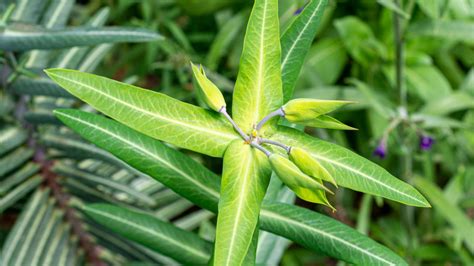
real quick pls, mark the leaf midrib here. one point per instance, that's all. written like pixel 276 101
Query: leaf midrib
pixel 171 121
pixel 320 232
pixel 239 207
pixel 260 65
pixel 367 176
pixel 151 232
pixel 293 45
pixel 152 155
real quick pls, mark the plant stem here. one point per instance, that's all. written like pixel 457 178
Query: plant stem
pixel 276 143
pixel 399 57
pixel 236 127
pixel 278 112
pixel 262 149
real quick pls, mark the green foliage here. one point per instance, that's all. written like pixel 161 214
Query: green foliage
pixel 165 173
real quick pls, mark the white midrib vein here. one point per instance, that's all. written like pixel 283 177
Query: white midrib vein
pixel 366 176
pixel 239 209
pixel 286 220
pixel 151 232
pixel 361 173
pixel 169 120
pixel 152 155
pixel 293 45
pixel 260 66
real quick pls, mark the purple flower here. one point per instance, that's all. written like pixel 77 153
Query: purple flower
pixel 426 142
pixel 381 150
pixel 299 10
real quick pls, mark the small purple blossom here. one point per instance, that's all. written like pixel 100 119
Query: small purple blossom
pixel 381 150
pixel 299 10
pixel 426 142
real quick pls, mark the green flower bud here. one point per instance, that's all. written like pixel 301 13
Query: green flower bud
pixel 305 110
pixel 325 121
pixel 292 176
pixel 211 94
pixel 318 196
pixel 309 165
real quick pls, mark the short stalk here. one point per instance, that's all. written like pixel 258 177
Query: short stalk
pixel 278 112
pixel 236 127
pixel 276 143
pixel 262 149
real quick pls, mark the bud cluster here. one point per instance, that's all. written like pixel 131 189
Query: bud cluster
pixel 298 169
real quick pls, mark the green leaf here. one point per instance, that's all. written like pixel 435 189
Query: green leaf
pixel 326 60
pixel 258 89
pixel 158 116
pixel 360 41
pixel 453 102
pixel 198 184
pixel 325 121
pixel 395 8
pixel 450 30
pixel 11 137
pixel 183 246
pixel 147 155
pixel 39 86
pixel 296 41
pixel 27 11
pixel 428 82
pixel 351 170
pixel 455 216
pixel 14 159
pixel 15 237
pixel 225 38
pixel 244 182
pixel 26 37
pixel 19 192
pixel 66 170
pixel 323 234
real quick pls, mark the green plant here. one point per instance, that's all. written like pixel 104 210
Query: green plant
pixel 262 87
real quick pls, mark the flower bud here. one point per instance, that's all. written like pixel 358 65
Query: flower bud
pixel 292 176
pixel 325 121
pixel 426 142
pixel 318 196
pixel 304 110
pixel 309 165
pixel 211 94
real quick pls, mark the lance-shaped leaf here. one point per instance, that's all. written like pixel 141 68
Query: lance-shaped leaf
pixel 323 234
pixel 244 181
pixel 258 86
pixel 198 184
pixel 351 170
pixel 27 37
pixel 152 113
pixel 167 239
pixel 295 44
pixel 145 154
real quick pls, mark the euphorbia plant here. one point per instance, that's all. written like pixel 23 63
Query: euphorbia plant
pixel 251 142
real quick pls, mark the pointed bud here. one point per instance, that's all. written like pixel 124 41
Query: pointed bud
pixel 292 176
pixel 304 110
pixel 309 165
pixel 325 121
pixel 318 196
pixel 211 94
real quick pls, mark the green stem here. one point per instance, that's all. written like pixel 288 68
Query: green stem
pixel 236 127
pixel 275 143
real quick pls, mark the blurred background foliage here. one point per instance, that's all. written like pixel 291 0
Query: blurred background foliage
pixel 353 57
